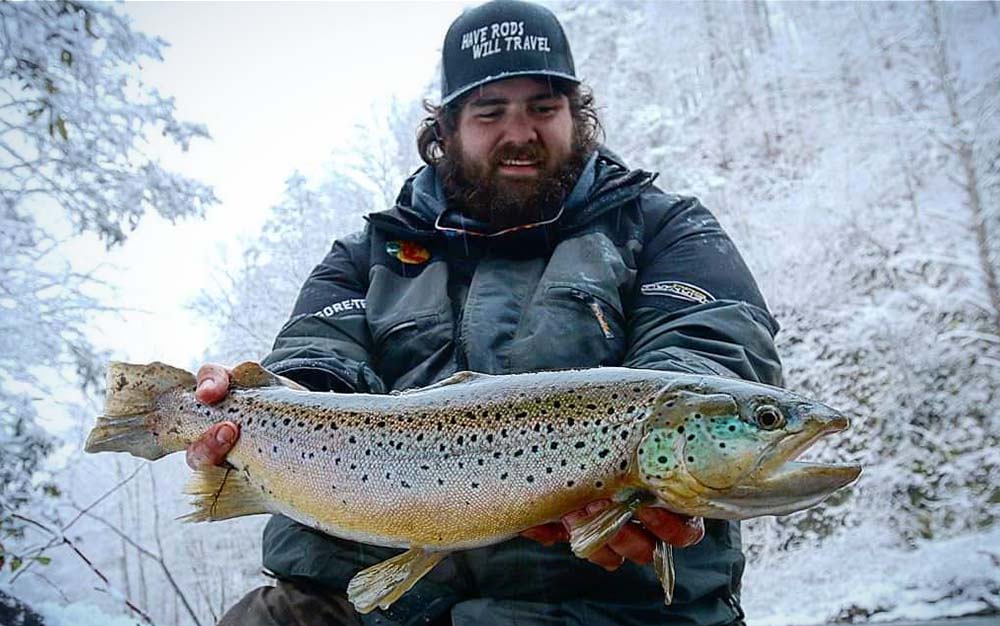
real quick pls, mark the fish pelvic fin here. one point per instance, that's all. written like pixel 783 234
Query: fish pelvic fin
pixel 223 493
pixel 382 584
pixel 129 420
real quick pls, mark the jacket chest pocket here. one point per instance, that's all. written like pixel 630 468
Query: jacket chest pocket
pixel 573 326
pixel 408 350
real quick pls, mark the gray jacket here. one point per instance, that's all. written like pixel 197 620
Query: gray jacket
pixel 628 275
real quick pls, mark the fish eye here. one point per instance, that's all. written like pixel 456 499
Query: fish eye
pixel 768 417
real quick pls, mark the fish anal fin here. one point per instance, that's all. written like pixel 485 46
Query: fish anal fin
pixel 383 583
pixel 223 493
pixel 663 563
pixel 248 375
pixel 671 407
pixel 595 530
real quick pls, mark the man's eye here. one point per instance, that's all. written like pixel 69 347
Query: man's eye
pixel 545 109
pixel 488 115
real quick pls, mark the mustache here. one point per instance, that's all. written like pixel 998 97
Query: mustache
pixel 515 152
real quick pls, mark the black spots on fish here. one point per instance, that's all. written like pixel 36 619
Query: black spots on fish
pixel 570 421
pixel 661 459
pixel 440 481
pixel 623 434
pixel 614 396
pixel 364 478
pixel 549 428
pixel 333 426
pixel 518 452
pixel 404 484
pixel 354 466
pixel 301 424
pixel 504 433
pixel 489 437
pixel 579 445
pixel 636 389
pixel 460 440
pixel 473 437
pixel 534 448
pixel 732 428
pixel 570 483
pixel 690 459
pixel 529 478
pixel 690 437
pixel 582 467
pixel 680 429
pixel 420 437
pixel 291 440
pixel 556 404
pixel 474 485
pixel 722 444
pixel 562 462
pixel 318 427
pixel 232 410
pixel 537 427
pixel 352 439
pixel 497 455
pixel 368 452
pixel 461 465
pixel 603 453
pixel 548 470
pixel 521 415
pixel 599 484
pixel 604 430
pixel 642 451
pixel 623 465
pixel 503 476
pixel 591 406
pixel 274 449
pixel 259 451
pixel 480 462
pixel 287 421
pixel 553 445
pixel 441 447
pixel 469 415
pixel 697 416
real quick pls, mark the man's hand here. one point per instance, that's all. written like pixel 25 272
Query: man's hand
pixel 634 542
pixel 211 448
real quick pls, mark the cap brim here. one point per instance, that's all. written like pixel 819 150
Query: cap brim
pixel 490 79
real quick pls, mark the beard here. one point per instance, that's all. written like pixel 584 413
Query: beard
pixel 478 191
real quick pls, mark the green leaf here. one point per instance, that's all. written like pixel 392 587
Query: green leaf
pixel 43 560
pixel 15 563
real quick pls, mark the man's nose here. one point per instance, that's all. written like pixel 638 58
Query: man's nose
pixel 520 129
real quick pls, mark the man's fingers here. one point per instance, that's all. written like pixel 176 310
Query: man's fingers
pixel 633 543
pixel 607 558
pixel 547 534
pixel 213 383
pixel 211 448
pixel 677 530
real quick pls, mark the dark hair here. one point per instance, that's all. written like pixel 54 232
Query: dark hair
pixel 442 121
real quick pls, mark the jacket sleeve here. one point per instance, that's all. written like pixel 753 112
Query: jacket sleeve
pixel 326 343
pixel 696 308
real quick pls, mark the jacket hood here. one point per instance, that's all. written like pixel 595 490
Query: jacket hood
pixel 605 183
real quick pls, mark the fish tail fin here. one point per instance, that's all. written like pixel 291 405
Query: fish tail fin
pixel 129 418
pixel 223 493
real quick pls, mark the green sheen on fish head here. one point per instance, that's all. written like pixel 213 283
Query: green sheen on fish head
pixel 724 448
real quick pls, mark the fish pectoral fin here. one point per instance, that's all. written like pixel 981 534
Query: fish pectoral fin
pixel 595 530
pixel 671 407
pixel 663 563
pixel 223 493
pixel 383 583
pixel 249 374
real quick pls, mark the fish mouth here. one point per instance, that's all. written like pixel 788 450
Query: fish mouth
pixel 779 484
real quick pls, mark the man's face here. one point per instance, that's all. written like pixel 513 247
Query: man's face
pixel 511 152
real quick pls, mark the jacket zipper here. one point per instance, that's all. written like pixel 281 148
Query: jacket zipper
pixel 595 307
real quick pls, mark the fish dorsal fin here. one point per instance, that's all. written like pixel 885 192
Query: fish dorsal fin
pixel 672 407
pixel 249 375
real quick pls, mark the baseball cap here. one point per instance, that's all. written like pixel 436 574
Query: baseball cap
pixel 503 39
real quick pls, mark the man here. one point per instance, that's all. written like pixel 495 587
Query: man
pixel 522 246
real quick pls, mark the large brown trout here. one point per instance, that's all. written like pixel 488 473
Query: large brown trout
pixel 474 459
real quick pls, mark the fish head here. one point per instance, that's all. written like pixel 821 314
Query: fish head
pixel 727 448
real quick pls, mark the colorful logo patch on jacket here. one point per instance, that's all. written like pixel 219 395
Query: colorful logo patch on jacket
pixel 408 252
pixel 677 289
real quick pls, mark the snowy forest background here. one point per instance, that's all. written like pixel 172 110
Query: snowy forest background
pixel 852 150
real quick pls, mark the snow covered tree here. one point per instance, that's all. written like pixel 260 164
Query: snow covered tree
pixel 74 122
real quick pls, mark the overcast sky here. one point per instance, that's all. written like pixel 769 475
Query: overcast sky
pixel 279 85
